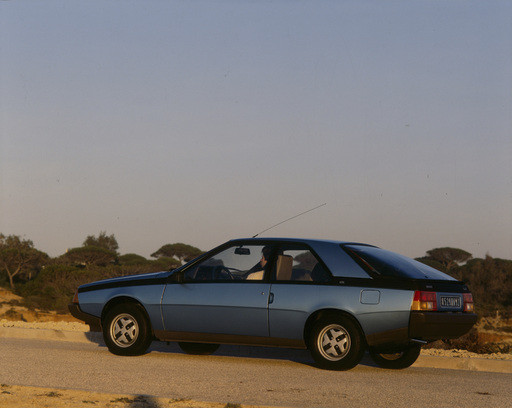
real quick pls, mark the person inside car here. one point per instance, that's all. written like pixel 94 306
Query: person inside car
pixel 258 270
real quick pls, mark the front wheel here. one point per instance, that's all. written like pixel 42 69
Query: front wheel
pixel 198 348
pixel 336 343
pixel 126 330
pixel 397 361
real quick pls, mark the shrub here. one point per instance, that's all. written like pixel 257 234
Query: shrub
pixel 473 342
pixel 55 285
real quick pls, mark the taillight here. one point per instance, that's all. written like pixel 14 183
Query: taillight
pixel 424 301
pixel 467 298
pixel 75 298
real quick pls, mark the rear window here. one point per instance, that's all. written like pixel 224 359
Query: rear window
pixel 390 264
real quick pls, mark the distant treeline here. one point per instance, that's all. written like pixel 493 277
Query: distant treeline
pixel 49 283
pixel 489 279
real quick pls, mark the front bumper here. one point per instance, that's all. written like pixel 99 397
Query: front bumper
pixel 94 322
pixel 430 326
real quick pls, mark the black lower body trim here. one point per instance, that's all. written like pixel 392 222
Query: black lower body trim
pixel 432 326
pixel 94 322
pixel 228 339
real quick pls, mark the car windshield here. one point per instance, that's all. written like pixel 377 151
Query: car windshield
pixel 391 264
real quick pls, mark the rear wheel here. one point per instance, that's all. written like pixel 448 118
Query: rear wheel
pixel 126 330
pixel 198 348
pixel 397 361
pixel 336 343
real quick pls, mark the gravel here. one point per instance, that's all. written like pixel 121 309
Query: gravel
pixel 66 326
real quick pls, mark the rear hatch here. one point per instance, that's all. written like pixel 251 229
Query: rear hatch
pixel 441 308
pixel 386 264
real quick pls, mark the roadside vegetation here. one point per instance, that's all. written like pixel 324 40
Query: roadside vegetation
pixel 48 284
pixel 489 279
pixel 490 282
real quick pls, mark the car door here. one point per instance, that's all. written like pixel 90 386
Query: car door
pixel 295 291
pixel 215 296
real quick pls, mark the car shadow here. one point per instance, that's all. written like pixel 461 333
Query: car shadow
pixel 298 356
pixel 272 353
pixel 95 337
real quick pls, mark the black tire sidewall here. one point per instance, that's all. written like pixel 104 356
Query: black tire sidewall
pixel 355 352
pixel 409 356
pixel 144 337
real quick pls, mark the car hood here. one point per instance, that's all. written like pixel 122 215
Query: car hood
pixel 126 279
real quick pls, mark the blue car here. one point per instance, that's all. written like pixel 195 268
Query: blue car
pixel 336 299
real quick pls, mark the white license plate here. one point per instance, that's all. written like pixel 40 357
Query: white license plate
pixel 450 301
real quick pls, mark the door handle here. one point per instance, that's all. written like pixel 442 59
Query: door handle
pixel 270 298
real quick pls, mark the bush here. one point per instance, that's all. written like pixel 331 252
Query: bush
pixel 132 259
pixel 490 282
pixel 4 283
pixel 88 256
pixel 55 285
pixel 489 279
pixel 473 342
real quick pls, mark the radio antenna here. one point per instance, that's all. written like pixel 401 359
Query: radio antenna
pixel 291 218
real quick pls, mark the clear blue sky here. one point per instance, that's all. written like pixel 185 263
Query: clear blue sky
pixel 201 121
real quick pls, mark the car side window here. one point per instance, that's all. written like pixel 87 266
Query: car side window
pixel 300 265
pixel 233 264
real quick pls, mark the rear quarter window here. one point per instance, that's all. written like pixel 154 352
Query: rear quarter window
pixel 393 265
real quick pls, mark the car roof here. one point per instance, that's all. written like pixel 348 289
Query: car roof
pixel 336 260
pixel 311 241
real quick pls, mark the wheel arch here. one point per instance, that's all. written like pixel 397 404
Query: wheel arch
pixel 125 299
pixel 325 313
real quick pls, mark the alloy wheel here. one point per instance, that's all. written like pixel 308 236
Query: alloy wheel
pixel 124 330
pixel 334 342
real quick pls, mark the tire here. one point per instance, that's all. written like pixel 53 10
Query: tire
pixel 198 348
pixel 399 360
pixel 126 330
pixel 336 343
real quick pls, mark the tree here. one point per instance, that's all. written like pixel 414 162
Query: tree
pixel 132 259
pixel 449 257
pixel 102 241
pixel 89 255
pixel 306 260
pixel 490 282
pixel 180 251
pixel 432 263
pixel 18 255
pixel 165 263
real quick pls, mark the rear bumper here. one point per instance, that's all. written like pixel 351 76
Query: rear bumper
pixel 432 326
pixel 94 322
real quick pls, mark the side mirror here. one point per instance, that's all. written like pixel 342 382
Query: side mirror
pixel 242 251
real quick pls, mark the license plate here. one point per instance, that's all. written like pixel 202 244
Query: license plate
pixel 450 301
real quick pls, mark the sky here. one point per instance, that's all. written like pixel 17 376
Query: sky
pixel 203 121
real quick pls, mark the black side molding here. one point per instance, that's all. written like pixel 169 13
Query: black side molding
pixel 121 283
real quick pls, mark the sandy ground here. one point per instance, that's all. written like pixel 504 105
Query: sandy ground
pixel 66 326
pixel 13 396
pixel 10 309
